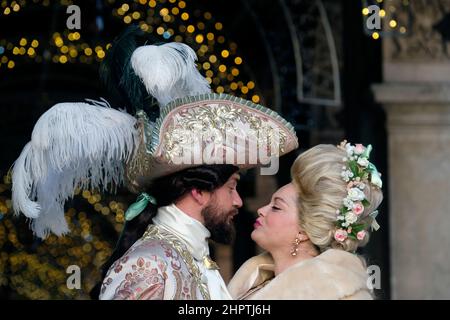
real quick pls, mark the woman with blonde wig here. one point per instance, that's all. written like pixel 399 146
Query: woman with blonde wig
pixel 312 228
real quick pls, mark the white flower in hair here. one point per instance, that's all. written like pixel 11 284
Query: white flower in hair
pixel 347 175
pixel 349 149
pixel 350 218
pixel 348 203
pixel 355 194
pixel 363 162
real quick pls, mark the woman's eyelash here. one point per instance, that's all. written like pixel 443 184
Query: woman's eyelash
pixel 275 208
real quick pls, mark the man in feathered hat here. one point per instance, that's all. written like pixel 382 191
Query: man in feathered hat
pixel 183 159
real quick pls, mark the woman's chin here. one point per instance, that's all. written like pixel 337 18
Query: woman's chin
pixel 255 235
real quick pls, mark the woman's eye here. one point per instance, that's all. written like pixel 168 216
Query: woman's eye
pixel 275 208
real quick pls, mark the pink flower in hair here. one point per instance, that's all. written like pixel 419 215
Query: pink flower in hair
pixel 360 235
pixel 340 235
pixel 359 149
pixel 358 208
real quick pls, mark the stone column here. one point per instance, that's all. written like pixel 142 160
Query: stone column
pixel 416 97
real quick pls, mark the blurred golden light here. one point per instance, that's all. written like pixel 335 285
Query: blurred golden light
pixel 23 42
pixel 190 29
pixel 222 68
pixel 144 27
pixel 160 30
pixel 212 58
pixel 218 26
pixel 59 41
pixel 127 19
pixel 136 15
pixel 73 53
pixel 88 52
pixel 87 247
pixel 199 38
pixel 163 12
pixel 225 53
pixel 238 60
pixel 86 194
pixel 255 98
pixel 63 59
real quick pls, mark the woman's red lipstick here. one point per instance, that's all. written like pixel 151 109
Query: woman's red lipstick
pixel 257 224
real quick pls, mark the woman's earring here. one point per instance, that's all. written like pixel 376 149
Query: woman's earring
pixel 295 246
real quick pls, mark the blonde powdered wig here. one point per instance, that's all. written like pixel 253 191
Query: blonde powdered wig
pixel 316 175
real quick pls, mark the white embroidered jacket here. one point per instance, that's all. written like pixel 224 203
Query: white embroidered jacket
pixel 166 263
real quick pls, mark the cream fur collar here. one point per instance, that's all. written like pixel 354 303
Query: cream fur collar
pixel 334 274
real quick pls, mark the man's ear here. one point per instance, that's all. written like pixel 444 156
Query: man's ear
pixel 201 197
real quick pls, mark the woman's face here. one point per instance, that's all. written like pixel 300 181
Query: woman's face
pixel 278 222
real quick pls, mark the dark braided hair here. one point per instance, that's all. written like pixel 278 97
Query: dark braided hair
pixel 166 190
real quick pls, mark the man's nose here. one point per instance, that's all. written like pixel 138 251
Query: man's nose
pixel 237 201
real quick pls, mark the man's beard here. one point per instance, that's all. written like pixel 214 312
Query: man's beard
pixel 216 221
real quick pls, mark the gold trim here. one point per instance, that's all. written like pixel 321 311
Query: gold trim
pixel 154 232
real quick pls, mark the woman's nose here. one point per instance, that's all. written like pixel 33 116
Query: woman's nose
pixel 260 212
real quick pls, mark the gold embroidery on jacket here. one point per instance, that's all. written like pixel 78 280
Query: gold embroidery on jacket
pixel 154 232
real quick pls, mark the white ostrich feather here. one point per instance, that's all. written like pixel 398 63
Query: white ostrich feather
pixel 73 145
pixel 168 71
